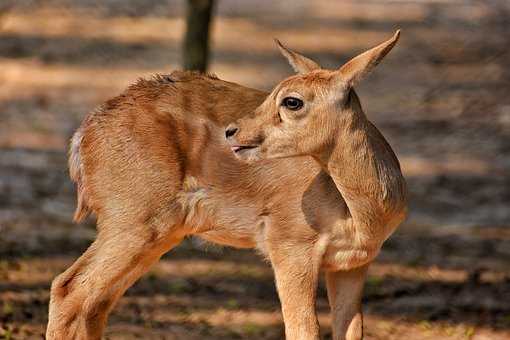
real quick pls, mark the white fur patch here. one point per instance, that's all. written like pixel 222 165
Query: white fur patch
pixel 75 166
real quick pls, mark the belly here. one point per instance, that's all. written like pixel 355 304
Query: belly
pixel 218 216
pixel 231 238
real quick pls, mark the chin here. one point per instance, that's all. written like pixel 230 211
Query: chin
pixel 249 155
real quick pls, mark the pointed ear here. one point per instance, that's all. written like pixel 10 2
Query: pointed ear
pixel 299 63
pixel 358 67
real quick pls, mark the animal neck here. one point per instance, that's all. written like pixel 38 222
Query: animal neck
pixel 366 172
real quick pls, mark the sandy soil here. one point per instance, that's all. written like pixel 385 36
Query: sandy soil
pixel 441 98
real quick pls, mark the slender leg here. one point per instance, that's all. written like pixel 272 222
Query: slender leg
pixel 83 296
pixel 296 273
pixel 345 289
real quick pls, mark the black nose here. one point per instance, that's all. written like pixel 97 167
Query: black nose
pixel 230 130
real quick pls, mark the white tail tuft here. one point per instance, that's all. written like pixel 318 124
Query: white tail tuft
pixel 76 174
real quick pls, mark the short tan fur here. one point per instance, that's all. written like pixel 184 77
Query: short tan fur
pixel 313 189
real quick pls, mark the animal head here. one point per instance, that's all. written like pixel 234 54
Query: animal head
pixel 303 113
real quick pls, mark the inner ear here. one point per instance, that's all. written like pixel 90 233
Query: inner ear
pixel 299 63
pixel 359 67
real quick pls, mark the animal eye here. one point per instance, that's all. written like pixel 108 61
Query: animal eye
pixel 292 103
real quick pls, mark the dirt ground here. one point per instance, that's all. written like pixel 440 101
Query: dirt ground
pixel 441 98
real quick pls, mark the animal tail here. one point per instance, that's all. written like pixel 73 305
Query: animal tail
pixel 76 174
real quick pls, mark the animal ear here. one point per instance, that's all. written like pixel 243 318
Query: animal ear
pixel 299 63
pixel 358 67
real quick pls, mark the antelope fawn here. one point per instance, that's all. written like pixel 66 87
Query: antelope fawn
pixel 301 175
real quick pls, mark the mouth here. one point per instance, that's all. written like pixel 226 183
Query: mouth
pixel 239 148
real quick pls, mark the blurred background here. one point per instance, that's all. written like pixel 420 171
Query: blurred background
pixel 442 99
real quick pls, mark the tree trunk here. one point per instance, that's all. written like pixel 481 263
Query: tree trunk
pixel 196 41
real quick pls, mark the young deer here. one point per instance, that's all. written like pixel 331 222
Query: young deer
pixel 155 165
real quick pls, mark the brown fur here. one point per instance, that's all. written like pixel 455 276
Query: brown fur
pixel 153 165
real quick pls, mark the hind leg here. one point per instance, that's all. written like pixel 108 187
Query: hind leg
pixel 83 296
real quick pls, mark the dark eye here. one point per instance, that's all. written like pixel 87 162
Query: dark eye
pixel 292 103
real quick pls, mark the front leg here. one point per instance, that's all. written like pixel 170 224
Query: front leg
pixel 296 268
pixel 345 289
